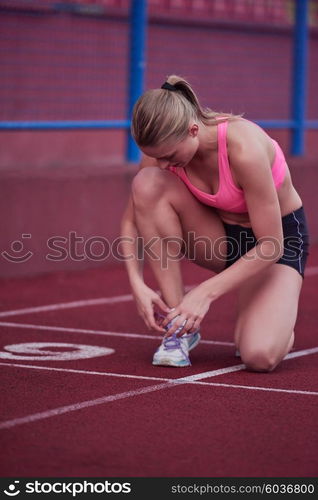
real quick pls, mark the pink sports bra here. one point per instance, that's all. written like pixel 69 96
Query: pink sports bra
pixel 229 197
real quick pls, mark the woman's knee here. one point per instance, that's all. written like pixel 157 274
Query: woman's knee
pixel 260 359
pixel 147 186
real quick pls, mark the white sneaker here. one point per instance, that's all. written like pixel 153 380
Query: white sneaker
pixel 174 351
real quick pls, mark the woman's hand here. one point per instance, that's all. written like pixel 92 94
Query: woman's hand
pixel 146 299
pixel 191 311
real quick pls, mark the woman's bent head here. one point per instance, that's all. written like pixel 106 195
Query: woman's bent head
pixel 164 115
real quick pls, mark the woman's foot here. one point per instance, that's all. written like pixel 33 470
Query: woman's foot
pixel 174 350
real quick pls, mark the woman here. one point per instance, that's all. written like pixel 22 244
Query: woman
pixel 217 182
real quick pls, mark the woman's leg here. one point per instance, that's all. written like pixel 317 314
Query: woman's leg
pixel 166 213
pixel 268 305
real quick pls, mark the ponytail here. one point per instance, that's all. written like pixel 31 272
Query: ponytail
pixel 161 114
pixel 184 87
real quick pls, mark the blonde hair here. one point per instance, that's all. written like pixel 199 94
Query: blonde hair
pixel 160 114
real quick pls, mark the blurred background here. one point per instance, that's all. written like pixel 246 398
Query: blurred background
pixel 71 71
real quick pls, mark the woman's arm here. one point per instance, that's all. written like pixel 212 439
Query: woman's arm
pixel 129 245
pixel 129 234
pixel 145 298
pixel 253 172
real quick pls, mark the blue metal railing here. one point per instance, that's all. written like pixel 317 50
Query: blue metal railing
pixel 300 76
pixel 65 125
pixel 137 65
pixel 298 123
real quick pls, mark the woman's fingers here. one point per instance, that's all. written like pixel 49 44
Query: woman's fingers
pixel 160 303
pixel 170 316
pixel 195 326
pixel 150 317
pixel 183 324
pixel 184 329
pixel 159 318
pixel 144 317
pixel 179 322
pixel 189 326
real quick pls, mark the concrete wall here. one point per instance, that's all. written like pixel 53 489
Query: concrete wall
pixel 81 209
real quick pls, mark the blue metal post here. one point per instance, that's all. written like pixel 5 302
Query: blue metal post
pixel 300 76
pixel 138 28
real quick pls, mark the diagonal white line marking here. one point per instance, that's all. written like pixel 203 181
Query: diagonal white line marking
pixel 100 332
pixel 304 352
pixel 212 373
pixel 310 271
pixel 143 390
pixel 107 399
pixel 79 406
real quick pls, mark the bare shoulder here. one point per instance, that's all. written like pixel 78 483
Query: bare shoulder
pixel 246 139
pixel 242 132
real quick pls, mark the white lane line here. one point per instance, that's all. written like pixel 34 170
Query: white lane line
pixel 257 388
pixel 189 379
pixel 310 271
pixel 84 372
pixel 68 305
pixel 108 399
pixel 79 406
pixel 303 352
pixel 159 379
pixel 212 373
pixel 74 304
pixel 100 332
pixel 143 390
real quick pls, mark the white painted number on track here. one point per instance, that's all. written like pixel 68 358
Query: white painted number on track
pixel 47 351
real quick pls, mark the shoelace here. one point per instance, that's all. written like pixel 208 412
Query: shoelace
pixel 173 342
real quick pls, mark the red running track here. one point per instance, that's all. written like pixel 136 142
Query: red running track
pixel 112 414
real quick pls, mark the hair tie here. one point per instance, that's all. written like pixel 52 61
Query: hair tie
pixel 168 86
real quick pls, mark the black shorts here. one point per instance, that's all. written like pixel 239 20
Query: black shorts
pixel 296 241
